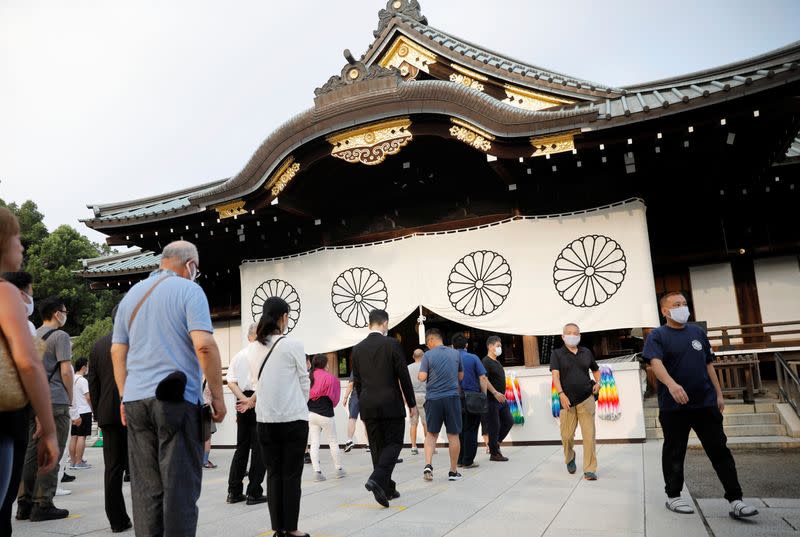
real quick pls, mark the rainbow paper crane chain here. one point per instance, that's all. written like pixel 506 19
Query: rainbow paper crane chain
pixel 514 397
pixel 608 397
pixel 555 401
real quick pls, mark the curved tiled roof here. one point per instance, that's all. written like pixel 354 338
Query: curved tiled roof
pixel 132 262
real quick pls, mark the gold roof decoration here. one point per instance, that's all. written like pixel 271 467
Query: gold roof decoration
pixel 555 143
pixel 283 176
pixel 532 100
pixel 372 143
pixel 471 135
pixel 230 209
pixel 468 78
pixel 408 57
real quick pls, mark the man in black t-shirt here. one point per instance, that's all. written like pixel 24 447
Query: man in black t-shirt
pixel 498 419
pixel 689 397
pixel 570 367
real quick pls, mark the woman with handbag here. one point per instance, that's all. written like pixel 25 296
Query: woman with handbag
pixel 22 378
pixel 278 364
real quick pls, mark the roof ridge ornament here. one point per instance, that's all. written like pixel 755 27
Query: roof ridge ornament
pixel 355 71
pixel 407 8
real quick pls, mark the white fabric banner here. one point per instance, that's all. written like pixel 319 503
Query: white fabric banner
pixel 525 275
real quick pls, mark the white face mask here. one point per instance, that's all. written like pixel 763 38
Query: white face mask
pixel 193 272
pixel 680 314
pixel 572 340
pixel 63 317
pixel 29 306
pixel 498 351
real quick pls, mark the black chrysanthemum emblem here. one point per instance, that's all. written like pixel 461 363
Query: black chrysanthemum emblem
pixel 281 289
pixel 355 293
pixel 479 283
pixel 589 270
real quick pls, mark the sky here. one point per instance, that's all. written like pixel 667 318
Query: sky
pixel 110 101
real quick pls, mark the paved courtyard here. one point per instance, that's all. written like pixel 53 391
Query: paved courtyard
pixel 531 495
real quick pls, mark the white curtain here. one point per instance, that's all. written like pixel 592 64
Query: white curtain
pixel 526 275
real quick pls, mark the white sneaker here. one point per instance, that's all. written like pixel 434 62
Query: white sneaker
pixel 340 473
pixel 348 446
pixel 318 476
pixel 63 492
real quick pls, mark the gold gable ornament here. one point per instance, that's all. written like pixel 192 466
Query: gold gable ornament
pixel 283 176
pixel 557 143
pixel 471 135
pixel 230 209
pixel 371 144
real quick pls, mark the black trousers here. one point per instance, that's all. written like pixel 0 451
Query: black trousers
pixel 247 443
pixel 707 424
pixel 498 423
pixel 115 459
pixel 385 443
pixel 284 445
pixel 468 438
pixel 14 424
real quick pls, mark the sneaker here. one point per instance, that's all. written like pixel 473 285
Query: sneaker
pixel 340 473
pixel 498 457
pixel 307 458
pixel 63 492
pixel 590 476
pixel 427 473
pixel 571 466
pixel 454 476
pixel 50 512
pixel 80 466
pixel 398 461
pixel 368 450
pixel 348 446
pixel 414 451
pixel 66 478
pixel 318 476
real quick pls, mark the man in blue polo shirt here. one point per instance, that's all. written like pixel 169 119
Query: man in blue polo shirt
pixel 474 382
pixel 689 398
pixel 442 370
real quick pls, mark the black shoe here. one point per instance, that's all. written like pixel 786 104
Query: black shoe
pixel 377 491
pixel 50 512
pixel 235 498
pixel 125 527
pixel 127 477
pixel 453 476
pixel 399 461
pixel 66 478
pixel 24 510
pixel 255 500
pixel 394 495
pixel 498 457
pixel 307 458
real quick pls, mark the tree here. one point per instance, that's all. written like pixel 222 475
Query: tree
pixel 83 343
pixel 52 259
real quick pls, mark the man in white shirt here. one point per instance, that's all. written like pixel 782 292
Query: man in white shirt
pixel 81 415
pixel 246 438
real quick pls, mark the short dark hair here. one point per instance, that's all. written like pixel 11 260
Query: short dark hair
pixel 666 295
pixel 434 333
pixel 273 309
pixel 80 363
pixel 49 306
pixel 571 324
pixel 378 317
pixel 459 341
pixel 20 280
pixel 491 340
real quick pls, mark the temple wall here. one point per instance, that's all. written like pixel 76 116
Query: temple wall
pixel 778 282
pixel 714 295
pixel 228 335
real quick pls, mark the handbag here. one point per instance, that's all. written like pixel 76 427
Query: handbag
pixel 476 403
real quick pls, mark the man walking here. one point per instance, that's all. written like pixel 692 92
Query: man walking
pixel 441 369
pixel 105 397
pixel 247 445
pixel 570 366
pixel 473 386
pixel 379 375
pixel 419 395
pixel 162 340
pixel 689 398
pixel 498 419
pixel 81 413
pixel 35 500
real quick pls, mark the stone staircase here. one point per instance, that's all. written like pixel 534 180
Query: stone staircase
pixel 746 426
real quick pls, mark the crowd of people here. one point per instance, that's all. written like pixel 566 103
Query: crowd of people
pixel 154 385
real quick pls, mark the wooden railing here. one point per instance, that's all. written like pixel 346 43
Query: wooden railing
pixel 753 336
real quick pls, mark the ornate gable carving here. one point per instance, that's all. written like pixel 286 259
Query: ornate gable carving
pixel 408 8
pixel 355 71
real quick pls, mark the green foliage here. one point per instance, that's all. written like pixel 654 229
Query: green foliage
pixel 83 343
pixel 52 258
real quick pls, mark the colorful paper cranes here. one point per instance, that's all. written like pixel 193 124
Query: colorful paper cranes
pixel 555 402
pixel 608 397
pixel 514 398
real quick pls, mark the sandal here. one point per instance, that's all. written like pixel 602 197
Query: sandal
pixel 740 510
pixel 679 505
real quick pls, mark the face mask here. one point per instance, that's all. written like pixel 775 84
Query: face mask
pixel 572 340
pixel 679 315
pixel 63 318
pixel 498 351
pixel 193 272
pixel 29 306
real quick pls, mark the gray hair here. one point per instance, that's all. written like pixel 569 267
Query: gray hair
pixel 182 251
pixel 578 328
pixel 252 329
pixel 418 352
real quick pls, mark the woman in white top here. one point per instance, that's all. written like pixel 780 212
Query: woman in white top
pixel 278 364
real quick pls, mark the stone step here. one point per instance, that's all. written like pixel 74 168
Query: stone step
pixel 755 442
pixel 733 431
pixel 730 408
pixel 765 418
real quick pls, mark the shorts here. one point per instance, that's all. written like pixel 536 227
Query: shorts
pixel 446 410
pixel 352 407
pixel 421 408
pixel 85 428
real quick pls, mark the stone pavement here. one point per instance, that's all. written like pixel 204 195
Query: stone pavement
pixel 531 495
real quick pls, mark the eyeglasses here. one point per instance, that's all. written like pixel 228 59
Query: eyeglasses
pixel 63 311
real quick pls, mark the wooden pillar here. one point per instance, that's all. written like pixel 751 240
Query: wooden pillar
pixel 530 350
pixel 333 364
pixel 744 282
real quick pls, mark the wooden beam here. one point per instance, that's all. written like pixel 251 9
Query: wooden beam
pixel 530 350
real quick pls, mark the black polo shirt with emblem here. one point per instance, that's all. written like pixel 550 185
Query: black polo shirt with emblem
pixel 573 372
pixel 685 353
